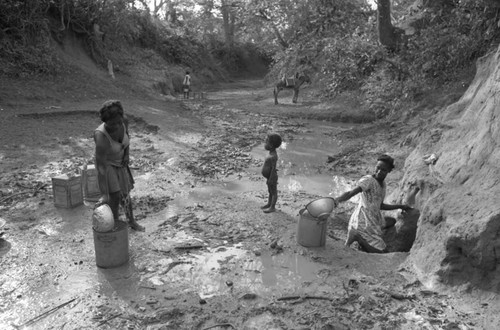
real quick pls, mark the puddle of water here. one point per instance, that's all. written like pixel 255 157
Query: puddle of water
pixel 309 149
pixel 262 321
pixel 181 236
pixel 300 164
pixel 320 184
pixel 209 273
pixel 301 159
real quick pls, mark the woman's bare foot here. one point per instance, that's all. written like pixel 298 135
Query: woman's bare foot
pixel 137 227
pixel 270 210
pixel 265 206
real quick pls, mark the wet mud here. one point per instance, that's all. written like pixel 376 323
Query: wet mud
pixel 209 259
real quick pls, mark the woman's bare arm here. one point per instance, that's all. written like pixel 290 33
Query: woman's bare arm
pixel 389 207
pixel 101 149
pixel 348 195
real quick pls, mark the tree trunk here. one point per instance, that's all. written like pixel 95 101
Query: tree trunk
pixel 171 12
pixel 386 34
pixel 208 22
pixel 157 6
pixel 228 20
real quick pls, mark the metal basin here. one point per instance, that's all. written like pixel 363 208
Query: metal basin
pixel 321 207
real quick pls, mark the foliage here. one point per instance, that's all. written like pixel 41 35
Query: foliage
pixel 23 22
pixel 346 63
pixel 27 27
pixel 239 58
pixel 450 36
pixel 333 41
pixel 453 39
pixel 27 60
pixel 24 38
pixel 338 43
pixel 338 51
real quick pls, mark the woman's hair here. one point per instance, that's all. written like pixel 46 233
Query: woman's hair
pixel 386 159
pixel 274 140
pixel 110 109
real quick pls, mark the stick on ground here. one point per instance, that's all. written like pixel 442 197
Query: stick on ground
pixel 220 325
pixel 304 297
pixel 44 314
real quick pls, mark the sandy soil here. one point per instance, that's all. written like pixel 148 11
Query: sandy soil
pixel 209 258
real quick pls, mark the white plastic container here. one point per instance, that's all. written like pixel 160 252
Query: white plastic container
pixel 90 183
pixel 67 191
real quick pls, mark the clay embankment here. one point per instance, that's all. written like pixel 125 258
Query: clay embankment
pixel 458 239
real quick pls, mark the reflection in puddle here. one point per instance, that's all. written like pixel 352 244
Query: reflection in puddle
pixel 308 151
pixel 266 275
pixel 301 159
pixel 322 185
pixel 204 272
pixel 263 321
pixel 181 236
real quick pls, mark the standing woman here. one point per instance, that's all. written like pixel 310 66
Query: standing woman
pixel 112 158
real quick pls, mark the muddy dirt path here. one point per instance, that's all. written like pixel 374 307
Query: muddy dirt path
pixel 209 259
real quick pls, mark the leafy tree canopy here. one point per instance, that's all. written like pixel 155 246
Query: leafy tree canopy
pixel 334 41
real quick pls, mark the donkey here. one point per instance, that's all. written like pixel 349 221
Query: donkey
pixel 293 83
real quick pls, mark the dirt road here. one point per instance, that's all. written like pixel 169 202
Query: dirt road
pixel 209 259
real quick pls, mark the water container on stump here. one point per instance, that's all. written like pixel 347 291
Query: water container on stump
pixel 311 231
pixel 111 248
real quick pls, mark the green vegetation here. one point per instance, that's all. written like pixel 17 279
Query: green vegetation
pixel 338 43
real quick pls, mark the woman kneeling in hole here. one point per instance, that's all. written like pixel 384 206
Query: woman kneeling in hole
pixel 367 223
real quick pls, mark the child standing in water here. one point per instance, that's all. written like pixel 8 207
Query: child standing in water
pixel 270 172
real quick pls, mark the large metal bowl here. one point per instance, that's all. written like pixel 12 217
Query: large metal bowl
pixel 320 207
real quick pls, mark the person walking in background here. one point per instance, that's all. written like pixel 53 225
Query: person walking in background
pixel 270 171
pixel 186 85
pixel 112 157
pixel 367 223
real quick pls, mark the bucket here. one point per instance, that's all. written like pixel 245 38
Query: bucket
pixel 111 248
pixel 311 231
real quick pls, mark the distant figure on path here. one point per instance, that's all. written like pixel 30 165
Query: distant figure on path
pixel 366 224
pixel 270 171
pixel 186 85
pixel 112 157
